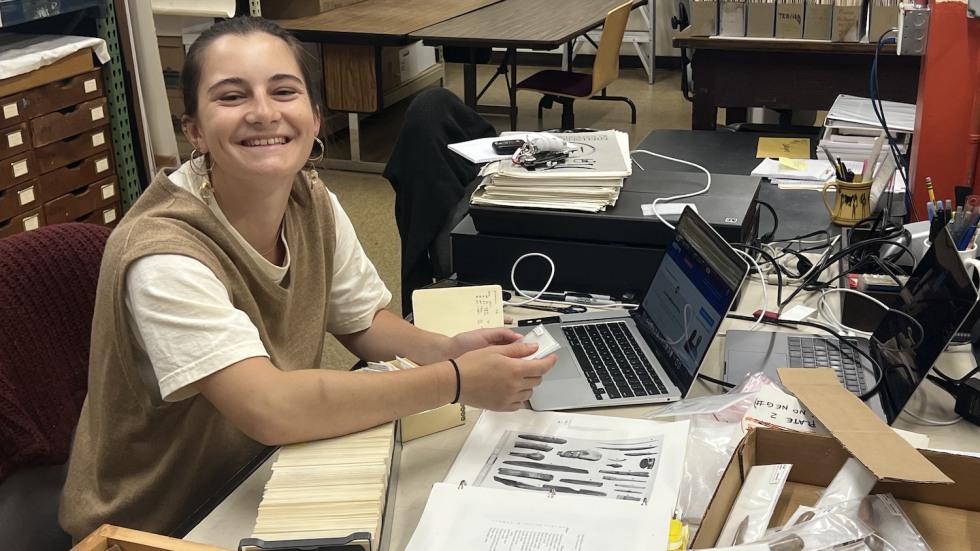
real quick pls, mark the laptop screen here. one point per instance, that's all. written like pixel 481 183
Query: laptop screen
pixel 929 309
pixel 692 290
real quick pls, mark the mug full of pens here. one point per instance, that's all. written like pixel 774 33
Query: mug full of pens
pixel 852 202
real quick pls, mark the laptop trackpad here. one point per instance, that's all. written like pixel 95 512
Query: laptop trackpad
pixel 746 362
pixel 565 367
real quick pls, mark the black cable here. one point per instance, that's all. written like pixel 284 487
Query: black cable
pixel 961 380
pixel 875 368
pixel 771 260
pixel 719 382
pixel 768 237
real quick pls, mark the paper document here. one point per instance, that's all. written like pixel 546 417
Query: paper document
pixel 853 109
pixel 793 148
pixel 478 151
pixel 453 310
pixel 598 469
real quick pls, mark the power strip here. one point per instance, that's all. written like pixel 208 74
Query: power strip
pixel 913 29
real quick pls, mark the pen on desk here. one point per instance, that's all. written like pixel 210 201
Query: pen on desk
pixel 930 210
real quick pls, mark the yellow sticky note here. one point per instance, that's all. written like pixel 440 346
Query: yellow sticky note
pixel 791 148
pixel 792 164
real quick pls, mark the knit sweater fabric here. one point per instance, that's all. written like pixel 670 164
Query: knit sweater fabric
pixel 146 464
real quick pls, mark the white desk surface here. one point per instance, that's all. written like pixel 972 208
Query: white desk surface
pixel 426 460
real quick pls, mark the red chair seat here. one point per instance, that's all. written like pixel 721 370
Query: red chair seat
pixel 561 83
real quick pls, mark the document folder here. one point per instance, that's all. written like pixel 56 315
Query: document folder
pixel 848 23
pixel 789 18
pixel 817 19
pixel 731 18
pixel 760 18
pixel 704 17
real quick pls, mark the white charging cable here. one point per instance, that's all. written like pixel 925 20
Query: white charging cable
pixel 537 296
pixel 676 197
pixel 765 293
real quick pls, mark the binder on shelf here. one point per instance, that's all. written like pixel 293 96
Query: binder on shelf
pixel 848 21
pixel 731 17
pixel 789 18
pixel 817 19
pixel 704 17
pixel 883 16
pixel 760 18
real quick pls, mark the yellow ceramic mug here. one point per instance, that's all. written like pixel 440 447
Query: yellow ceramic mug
pixel 852 202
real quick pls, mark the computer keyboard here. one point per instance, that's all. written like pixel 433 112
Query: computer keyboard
pixel 612 361
pixel 824 352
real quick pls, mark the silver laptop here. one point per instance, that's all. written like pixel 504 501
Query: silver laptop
pixel 652 354
pixel 920 324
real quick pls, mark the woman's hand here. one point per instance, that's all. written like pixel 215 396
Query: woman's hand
pixel 498 378
pixel 480 338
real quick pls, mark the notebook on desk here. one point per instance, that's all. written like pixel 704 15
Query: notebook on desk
pixel 652 354
pixel 914 332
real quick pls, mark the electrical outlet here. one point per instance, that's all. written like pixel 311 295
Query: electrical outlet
pixel 913 29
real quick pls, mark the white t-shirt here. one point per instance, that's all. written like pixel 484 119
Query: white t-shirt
pixel 177 307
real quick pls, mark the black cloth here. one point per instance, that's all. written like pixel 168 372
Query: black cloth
pixel 429 180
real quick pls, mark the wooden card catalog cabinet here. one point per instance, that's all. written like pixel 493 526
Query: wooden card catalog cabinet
pixel 56 162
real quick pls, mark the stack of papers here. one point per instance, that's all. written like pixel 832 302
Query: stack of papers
pixel 800 173
pixel 589 180
pixel 851 127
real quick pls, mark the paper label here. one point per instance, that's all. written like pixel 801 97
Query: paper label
pixel 98 139
pixel 15 139
pixel 792 148
pixel 672 210
pixel 775 408
pixel 97 113
pixel 108 191
pixel 10 110
pixel 32 223
pixel 792 164
pixel 102 164
pixel 90 86
pixel 108 215
pixel 20 168
pixel 26 196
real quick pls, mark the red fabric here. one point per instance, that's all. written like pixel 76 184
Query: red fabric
pixel 48 279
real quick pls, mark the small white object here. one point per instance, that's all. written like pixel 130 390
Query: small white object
pixel 108 215
pixel 15 138
pixel 667 209
pixel 102 164
pixel 98 139
pixel 797 313
pixel 108 191
pixel 98 113
pixel 26 196
pixel 546 343
pixel 90 86
pixel 32 223
pixel 19 168
pixel 10 110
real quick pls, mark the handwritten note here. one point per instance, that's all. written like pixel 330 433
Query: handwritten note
pixel 453 310
pixel 775 408
pixel 790 148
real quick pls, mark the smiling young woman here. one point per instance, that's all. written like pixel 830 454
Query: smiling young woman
pixel 215 294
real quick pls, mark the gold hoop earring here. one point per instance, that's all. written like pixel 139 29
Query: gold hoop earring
pixel 198 162
pixel 311 172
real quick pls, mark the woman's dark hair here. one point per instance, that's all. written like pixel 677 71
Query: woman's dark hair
pixel 190 78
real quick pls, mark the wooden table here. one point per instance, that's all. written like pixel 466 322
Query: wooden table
pixel 512 24
pixel 351 38
pixel 738 73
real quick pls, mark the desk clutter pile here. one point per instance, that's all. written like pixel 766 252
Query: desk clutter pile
pixel 575 171
pixel 833 20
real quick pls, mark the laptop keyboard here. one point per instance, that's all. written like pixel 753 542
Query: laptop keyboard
pixel 612 361
pixel 823 352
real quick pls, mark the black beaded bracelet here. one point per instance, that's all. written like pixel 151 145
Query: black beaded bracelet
pixel 455 368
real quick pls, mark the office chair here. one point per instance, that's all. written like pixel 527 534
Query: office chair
pixel 567 86
pixel 48 279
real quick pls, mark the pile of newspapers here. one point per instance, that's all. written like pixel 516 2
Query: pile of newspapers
pixel 589 178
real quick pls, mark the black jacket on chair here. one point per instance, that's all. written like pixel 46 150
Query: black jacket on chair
pixel 429 182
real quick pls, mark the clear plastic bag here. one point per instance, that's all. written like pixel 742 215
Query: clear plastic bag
pixel 709 450
pixel 892 529
pixel 830 530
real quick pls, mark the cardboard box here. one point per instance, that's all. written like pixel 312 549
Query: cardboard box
pixel 432 421
pixel 171 59
pixel 391 72
pixel 848 24
pixel 290 9
pixel 107 536
pixel 947 515
pixel 789 20
pixel 731 18
pixel 817 20
pixel 760 19
pixel 704 18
